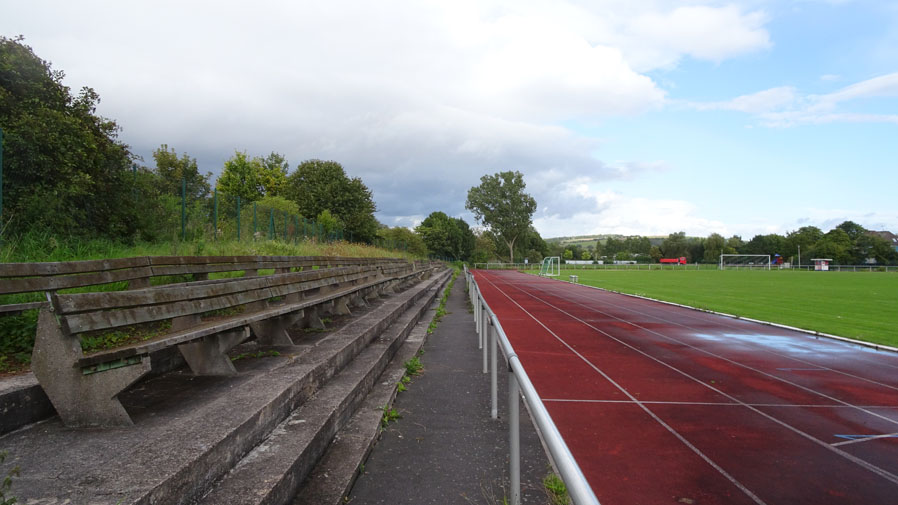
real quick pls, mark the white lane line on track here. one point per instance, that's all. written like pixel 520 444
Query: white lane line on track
pixel 648 411
pixel 864 464
pixel 865 439
pixel 709 353
pixel 701 316
pixel 723 404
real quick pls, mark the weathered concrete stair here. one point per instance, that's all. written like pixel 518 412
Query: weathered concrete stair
pixel 273 471
pixel 197 431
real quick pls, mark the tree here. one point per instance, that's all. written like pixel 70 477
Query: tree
pixel 714 245
pixel 401 235
pixel 64 169
pixel 674 246
pixel 317 185
pixel 446 237
pixel 568 254
pixel 765 244
pixel 484 247
pixel 835 244
pixel 805 237
pixel 241 177
pixel 172 170
pixel 273 174
pixel 501 204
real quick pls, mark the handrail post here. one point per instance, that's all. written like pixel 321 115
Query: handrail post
pixel 494 380
pixel 514 438
pixel 483 326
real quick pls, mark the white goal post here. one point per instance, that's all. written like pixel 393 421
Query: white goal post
pixel 551 267
pixel 745 261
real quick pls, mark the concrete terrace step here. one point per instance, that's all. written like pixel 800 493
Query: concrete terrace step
pixel 273 471
pixel 330 481
pixel 190 431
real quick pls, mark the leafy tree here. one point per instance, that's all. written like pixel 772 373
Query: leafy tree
pixel 317 185
pixel 240 177
pixel 171 170
pixel 328 222
pixel 714 245
pixel 835 244
pixel 674 246
pixel 805 237
pixel 501 204
pixel 446 237
pixel 613 246
pixel 877 248
pixel 273 174
pixel 734 245
pixel 400 234
pixel 585 255
pixel 853 230
pixel 64 169
pixel 568 254
pixel 765 244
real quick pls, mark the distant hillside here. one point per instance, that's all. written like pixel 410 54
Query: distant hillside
pixel 584 240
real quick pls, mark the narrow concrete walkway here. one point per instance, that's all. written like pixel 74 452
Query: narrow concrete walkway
pixel 445 449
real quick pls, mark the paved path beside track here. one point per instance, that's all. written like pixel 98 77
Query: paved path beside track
pixel 445 449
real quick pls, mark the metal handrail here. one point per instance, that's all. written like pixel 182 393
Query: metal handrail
pixel 519 383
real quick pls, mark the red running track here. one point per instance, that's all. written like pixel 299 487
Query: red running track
pixel 662 404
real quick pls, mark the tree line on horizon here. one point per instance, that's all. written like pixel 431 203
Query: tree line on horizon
pixel 848 244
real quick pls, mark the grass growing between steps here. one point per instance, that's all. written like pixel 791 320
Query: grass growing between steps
pixel 441 310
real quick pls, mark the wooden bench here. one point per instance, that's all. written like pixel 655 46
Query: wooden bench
pixel 84 388
pixel 18 278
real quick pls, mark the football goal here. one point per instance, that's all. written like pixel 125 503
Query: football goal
pixel 745 261
pixel 551 267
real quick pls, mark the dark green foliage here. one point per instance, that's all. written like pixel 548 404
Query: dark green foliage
pixel 16 339
pixel 402 235
pixel 63 168
pixel 446 237
pixel 318 185
pixel 173 170
pixel 6 484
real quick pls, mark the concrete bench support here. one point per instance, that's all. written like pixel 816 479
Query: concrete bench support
pixel 80 399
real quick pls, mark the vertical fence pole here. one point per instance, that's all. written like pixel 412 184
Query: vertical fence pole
pixel 494 374
pixel 215 215
pixel 514 438
pixel 271 224
pixel 285 226
pixel 254 221
pixel 485 331
pixel 1 179
pixel 238 219
pixel 295 229
pixel 183 209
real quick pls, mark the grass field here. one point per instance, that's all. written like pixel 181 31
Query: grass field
pixel 863 306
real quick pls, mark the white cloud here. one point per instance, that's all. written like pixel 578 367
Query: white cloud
pixel 785 106
pixel 418 98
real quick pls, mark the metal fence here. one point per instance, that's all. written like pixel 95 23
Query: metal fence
pixel 491 336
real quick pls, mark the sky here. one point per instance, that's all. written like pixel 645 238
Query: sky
pixel 740 117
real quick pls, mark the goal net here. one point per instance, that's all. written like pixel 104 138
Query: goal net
pixel 551 267
pixel 745 261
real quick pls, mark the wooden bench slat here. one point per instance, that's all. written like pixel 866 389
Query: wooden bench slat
pixel 69 267
pixel 29 284
pixel 210 328
pixel 81 302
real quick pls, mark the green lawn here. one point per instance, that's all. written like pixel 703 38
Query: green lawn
pixel 863 306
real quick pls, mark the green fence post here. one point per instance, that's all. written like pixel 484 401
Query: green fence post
pixel 183 209
pixel 271 225
pixel 285 226
pixel 238 219
pixel 215 215
pixel 254 221
pixel 295 229
pixel 1 178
